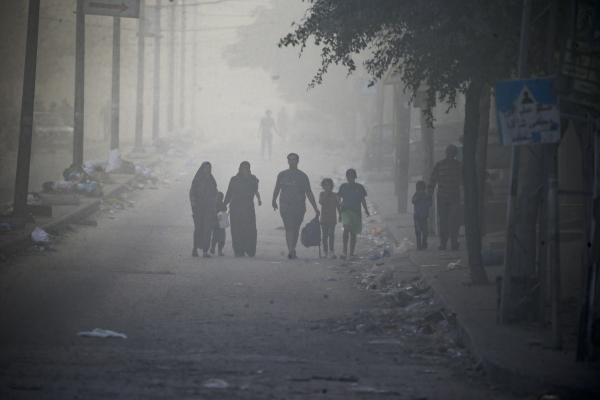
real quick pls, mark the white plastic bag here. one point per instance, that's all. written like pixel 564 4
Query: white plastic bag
pixel 39 235
pixel 223 219
pixel 405 246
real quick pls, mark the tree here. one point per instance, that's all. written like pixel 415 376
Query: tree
pixel 450 47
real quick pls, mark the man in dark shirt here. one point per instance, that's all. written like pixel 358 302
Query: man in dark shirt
pixel 447 175
pixel 264 131
pixel 295 188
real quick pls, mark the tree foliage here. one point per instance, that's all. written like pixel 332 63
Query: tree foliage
pixel 438 43
pixel 450 47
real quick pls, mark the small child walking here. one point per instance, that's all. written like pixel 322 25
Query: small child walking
pixel 353 196
pixel 218 233
pixel 329 202
pixel 422 202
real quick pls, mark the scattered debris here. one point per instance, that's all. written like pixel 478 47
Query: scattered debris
pixel 377 256
pixel 215 384
pixel 101 333
pixel 455 265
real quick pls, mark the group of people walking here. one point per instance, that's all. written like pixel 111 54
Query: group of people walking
pixel 292 189
pixel 447 176
pixel 207 202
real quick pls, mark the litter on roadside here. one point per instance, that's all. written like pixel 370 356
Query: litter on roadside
pixel 455 265
pixel 40 238
pixel 102 333
pixel 377 256
pixel 215 384
pixel 405 245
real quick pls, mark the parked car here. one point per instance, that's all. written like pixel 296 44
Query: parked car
pixel 50 133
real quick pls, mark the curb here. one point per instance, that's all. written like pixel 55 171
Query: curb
pixel 499 373
pixel 23 239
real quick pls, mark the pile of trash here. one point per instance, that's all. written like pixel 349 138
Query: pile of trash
pixel 88 181
pixel 407 314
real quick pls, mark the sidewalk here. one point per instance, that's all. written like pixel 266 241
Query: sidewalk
pixel 514 356
pixel 17 241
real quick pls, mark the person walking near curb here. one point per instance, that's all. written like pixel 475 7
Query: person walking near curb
pixel 447 175
pixel 353 196
pixel 295 188
pixel 203 195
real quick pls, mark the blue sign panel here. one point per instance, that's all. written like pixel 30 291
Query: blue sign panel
pixel 527 112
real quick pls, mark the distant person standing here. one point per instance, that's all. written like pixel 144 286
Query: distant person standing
pixel 105 116
pixel 283 123
pixel 447 175
pixel 264 132
pixel 67 112
pixel 294 187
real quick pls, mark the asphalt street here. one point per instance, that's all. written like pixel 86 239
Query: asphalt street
pixel 219 328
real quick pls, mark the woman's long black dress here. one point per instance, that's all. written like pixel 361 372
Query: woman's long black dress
pixel 203 193
pixel 240 196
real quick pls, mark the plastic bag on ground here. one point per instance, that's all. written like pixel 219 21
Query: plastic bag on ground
pixel 40 235
pixel 405 245
pixel 102 333
pixel 455 265
pixel 377 256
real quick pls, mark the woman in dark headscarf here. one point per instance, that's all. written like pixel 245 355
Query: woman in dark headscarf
pixel 203 195
pixel 240 193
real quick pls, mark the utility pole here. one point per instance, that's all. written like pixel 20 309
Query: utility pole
pixel 182 78
pixel 171 97
pixel 26 129
pixel 156 103
pixel 402 111
pixel 427 142
pixel 380 104
pixel 552 206
pixel 514 179
pixel 116 82
pixel 79 84
pixel 194 72
pixel 139 114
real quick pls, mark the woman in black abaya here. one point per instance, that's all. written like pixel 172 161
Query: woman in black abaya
pixel 240 195
pixel 203 195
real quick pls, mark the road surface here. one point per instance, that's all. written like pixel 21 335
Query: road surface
pixel 221 328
